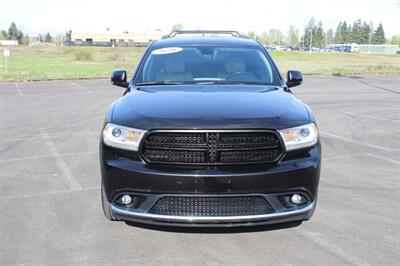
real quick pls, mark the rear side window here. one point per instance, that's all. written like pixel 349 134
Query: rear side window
pixel 195 64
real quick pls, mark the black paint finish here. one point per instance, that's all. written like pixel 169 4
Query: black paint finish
pixel 209 107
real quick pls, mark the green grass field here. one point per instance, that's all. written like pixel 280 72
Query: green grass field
pixel 43 63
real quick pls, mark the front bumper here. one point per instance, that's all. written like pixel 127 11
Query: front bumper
pixel 298 214
pixel 298 173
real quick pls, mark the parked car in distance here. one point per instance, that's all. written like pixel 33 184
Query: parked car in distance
pixel 270 47
pixel 354 48
pixel 295 48
pixel 208 133
pixel 343 48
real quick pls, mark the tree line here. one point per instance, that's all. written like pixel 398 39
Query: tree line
pixel 13 33
pixel 360 33
pixel 314 35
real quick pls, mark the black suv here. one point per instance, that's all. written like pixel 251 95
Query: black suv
pixel 208 133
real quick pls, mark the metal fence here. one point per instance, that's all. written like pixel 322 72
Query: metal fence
pixel 379 49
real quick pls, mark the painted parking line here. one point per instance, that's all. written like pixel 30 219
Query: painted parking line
pixel 49 193
pixel 370 116
pixel 348 156
pixel 383 158
pixel 69 178
pixel 77 85
pixel 29 158
pixel 322 241
pixel 330 135
pixel 18 89
pixel 53 135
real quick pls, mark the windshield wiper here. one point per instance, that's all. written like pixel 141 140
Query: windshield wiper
pixel 205 82
pixel 272 88
pixel 230 82
pixel 159 82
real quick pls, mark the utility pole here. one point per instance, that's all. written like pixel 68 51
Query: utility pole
pixel 311 40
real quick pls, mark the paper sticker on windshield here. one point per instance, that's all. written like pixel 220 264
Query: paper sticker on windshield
pixel 167 50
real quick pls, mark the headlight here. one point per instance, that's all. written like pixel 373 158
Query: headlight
pixel 299 137
pixel 122 137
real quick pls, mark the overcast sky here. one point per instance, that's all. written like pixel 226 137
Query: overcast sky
pixel 57 16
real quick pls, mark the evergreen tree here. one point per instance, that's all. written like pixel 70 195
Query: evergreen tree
pixel 356 32
pixel 345 30
pixel 379 35
pixel 20 35
pixel 68 36
pixel 314 35
pixel 338 34
pixel 319 35
pixel 48 37
pixel 3 35
pixel 365 32
pixel 12 32
pixel 342 34
pixel 308 39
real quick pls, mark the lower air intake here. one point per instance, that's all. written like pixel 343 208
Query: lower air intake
pixel 212 206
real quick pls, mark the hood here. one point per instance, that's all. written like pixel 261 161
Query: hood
pixel 209 107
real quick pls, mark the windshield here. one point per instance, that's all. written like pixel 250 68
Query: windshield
pixel 206 64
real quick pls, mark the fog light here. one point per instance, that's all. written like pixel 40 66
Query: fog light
pixel 296 198
pixel 126 199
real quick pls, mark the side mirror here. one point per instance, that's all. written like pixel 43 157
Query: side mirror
pixel 294 78
pixel 119 77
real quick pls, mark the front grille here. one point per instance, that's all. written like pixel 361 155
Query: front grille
pixel 211 148
pixel 211 206
pixel 249 156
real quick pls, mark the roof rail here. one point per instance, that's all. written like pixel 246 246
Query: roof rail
pixel 234 33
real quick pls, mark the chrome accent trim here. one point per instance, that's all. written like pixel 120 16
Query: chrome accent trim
pixel 124 213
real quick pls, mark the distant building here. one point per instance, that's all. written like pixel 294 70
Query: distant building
pixel 34 39
pixel 117 39
pixel 8 42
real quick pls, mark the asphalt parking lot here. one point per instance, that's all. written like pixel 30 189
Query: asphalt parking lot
pixel 50 181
